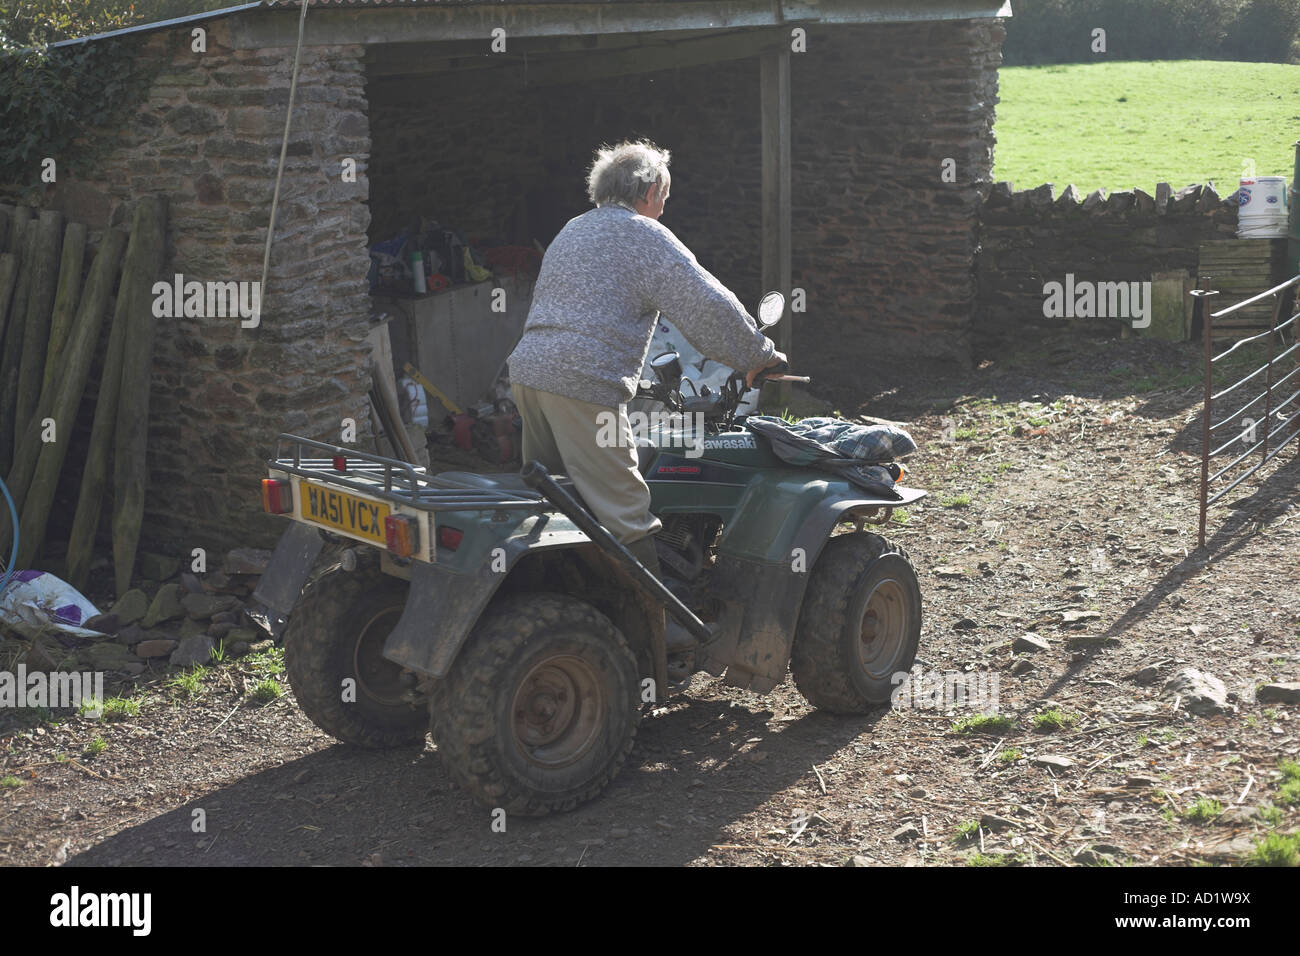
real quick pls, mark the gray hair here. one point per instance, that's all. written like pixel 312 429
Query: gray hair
pixel 625 173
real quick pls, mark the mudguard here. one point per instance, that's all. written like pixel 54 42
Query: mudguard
pixel 446 599
pixel 771 591
pixel 287 571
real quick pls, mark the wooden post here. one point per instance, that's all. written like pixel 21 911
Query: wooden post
pixel 144 260
pixel 774 83
pixel 13 353
pixel 8 279
pixel 45 276
pixel 75 367
pixel 66 298
pixel 94 479
pixel 19 216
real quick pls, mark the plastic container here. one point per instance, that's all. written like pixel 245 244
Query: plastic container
pixel 417 270
pixel 1263 208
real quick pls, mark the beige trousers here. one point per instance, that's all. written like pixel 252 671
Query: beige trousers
pixel 578 439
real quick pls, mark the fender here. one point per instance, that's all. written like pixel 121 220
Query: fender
pixel 759 649
pixel 445 602
pixel 287 571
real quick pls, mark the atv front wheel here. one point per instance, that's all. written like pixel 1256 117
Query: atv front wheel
pixel 541 706
pixel 332 651
pixel 860 624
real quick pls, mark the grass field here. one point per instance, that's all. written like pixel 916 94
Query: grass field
pixel 1133 124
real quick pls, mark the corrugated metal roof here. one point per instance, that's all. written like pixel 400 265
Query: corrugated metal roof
pixel 162 24
pixel 1004 11
pixel 447 3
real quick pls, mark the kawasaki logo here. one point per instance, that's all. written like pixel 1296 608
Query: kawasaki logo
pixel 737 441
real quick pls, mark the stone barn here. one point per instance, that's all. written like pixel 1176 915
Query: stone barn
pixel 838 147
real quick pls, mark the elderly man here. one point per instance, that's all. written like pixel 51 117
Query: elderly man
pixel 604 280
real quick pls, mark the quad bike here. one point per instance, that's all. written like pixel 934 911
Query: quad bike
pixel 495 611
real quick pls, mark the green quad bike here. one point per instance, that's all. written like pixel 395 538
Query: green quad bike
pixel 495 611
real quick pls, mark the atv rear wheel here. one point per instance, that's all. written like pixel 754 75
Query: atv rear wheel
pixel 541 706
pixel 337 634
pixel 859 626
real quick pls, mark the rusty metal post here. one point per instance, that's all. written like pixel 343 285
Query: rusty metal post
pixel 1199 307
pixel 1268 371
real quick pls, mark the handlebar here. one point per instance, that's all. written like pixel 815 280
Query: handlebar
pixel 717 406
pixel 778 373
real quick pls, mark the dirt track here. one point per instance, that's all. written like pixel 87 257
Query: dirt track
pixel 1081 484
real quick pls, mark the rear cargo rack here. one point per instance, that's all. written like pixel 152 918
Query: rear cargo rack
pixel 392 480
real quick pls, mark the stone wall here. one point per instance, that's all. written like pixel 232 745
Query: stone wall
pixel 208 139
pixel 1033 237
pixel 883 244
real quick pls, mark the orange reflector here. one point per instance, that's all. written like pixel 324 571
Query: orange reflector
pixel 401 534
pixel 277 496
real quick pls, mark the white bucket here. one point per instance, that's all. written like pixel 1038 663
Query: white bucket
pixel 1262 210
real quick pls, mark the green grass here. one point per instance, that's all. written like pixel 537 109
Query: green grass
pixel 1288 792
pixel 994 859
pixel 270 663
pixel 968 829
pixel 189 683
pixel 119 708
pixel 1277 849
pixel 96 747
pixel 1052 720
pixel 983 724
pixel 1272 816
pixel 267 690
pixel 1203 810
pixel 10 782
pixel 1120 125
pixel 1010 755
pixel 957 501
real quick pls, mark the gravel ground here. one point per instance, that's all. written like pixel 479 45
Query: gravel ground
pixel 1058 562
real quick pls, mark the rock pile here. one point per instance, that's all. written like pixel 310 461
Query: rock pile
pixel 178 618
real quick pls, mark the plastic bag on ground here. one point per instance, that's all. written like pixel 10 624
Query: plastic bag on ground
pixel 36 602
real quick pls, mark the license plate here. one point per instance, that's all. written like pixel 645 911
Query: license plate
pixel 344 512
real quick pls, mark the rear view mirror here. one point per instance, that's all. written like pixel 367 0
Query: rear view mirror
pixel 668 367
pixel 770 309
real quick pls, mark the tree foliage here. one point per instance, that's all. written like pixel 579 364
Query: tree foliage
pixel 25 23
pixel 1061 31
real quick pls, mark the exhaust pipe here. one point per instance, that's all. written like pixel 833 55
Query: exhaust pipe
pixel 539 479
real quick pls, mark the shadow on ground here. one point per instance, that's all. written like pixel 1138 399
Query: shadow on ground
pixel 684 785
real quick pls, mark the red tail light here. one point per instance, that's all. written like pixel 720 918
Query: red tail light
pixel 340 463
pixel 277 496
pixel 450 538
pixel 402 535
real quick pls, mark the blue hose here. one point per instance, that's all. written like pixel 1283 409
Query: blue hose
pixel 13 556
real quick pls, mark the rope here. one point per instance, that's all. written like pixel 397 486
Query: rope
pixel 284 148
pixel 13 556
